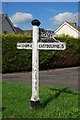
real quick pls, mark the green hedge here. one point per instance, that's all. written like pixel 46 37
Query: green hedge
pixel 14 60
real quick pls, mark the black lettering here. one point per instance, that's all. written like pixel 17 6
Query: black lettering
pixel 26 45
pixel 62 46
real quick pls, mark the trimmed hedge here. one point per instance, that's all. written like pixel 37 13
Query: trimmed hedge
pixel 14 60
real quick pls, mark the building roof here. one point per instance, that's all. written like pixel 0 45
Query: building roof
pixel 73 25
pixel 18 30
pixel 28 31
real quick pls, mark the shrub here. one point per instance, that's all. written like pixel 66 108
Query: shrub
pixel 14 60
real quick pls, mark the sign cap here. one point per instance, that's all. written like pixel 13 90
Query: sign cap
pixel 36 22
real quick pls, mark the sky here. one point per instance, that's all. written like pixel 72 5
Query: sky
pixel 50 14
pixel 40 0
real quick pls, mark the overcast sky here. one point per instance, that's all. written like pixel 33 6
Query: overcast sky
pixel 50 14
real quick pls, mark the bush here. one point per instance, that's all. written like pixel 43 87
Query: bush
pixel 14 60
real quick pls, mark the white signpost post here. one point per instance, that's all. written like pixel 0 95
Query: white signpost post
pixel 35 46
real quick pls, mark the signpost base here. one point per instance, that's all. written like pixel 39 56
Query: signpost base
pixel 35 104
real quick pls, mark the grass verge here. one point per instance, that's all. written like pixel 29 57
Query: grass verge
pixel 56 102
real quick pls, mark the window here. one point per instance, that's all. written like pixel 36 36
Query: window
pixel 5 32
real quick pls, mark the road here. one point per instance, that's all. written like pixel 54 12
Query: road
pixel 66 77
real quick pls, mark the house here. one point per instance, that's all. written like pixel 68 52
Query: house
pixel 7 26
pixel 28 31
pixel 18 30
pixel 68 28
pixel 0 24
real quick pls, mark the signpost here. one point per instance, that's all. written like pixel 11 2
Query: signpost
pixel 35 46
pixel 43 46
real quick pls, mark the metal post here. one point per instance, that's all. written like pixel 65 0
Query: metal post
pixel 35 101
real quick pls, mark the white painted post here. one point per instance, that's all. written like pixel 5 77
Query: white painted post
pixel 35 101
pixel 35 46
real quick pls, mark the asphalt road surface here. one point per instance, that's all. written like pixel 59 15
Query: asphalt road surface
pixel 68 77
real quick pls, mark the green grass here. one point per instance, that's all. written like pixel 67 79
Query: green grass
pixel 56 102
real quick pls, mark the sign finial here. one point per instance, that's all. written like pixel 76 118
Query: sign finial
pixel 36 22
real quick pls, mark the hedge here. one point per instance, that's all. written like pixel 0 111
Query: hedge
pixel 14 60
